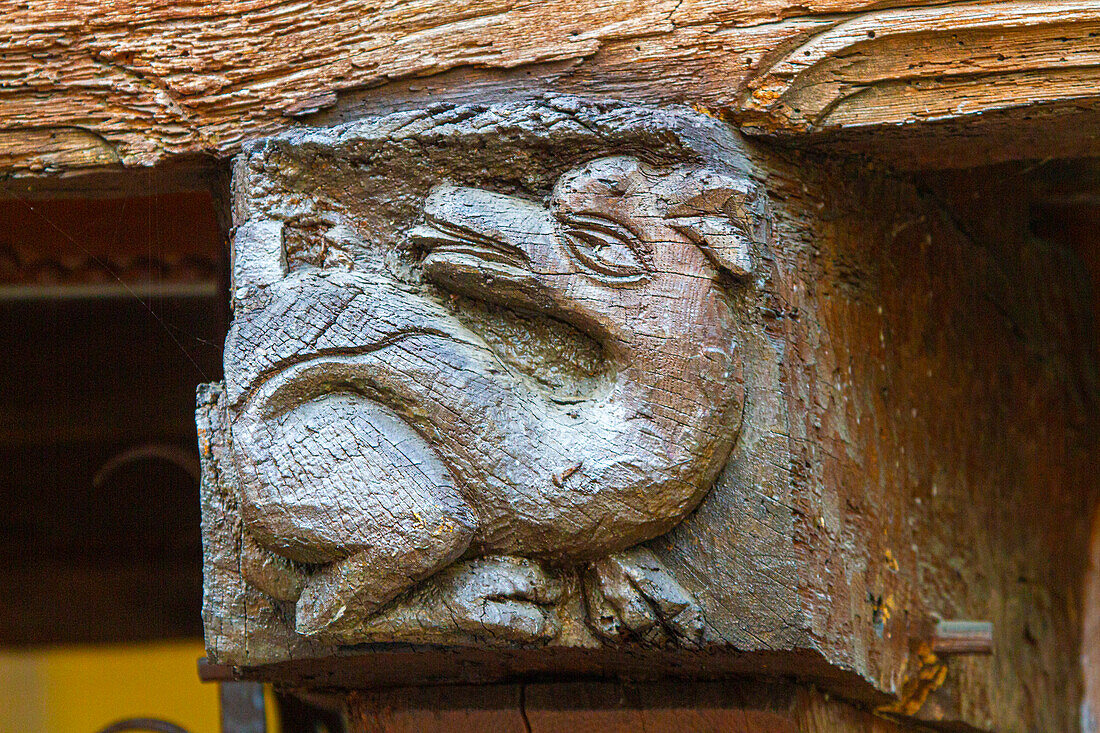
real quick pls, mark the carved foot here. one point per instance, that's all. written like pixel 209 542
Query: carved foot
pixel 336 602
pixel 631 596
pixel 496 599
pixel 506 599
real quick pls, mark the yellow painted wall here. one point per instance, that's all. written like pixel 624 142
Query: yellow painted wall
pixel 82 689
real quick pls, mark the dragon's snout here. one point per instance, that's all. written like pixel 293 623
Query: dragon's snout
pixel 460 221
pixel 477 241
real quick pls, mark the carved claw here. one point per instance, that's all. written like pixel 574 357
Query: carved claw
pixel 506 599
pixel 502 599
pixel 331 603
pixel 631 595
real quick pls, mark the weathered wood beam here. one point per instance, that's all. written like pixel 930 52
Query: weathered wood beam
pixel 738 707
pixel 86 88
pixel 942 62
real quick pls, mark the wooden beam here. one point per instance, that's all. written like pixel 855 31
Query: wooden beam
pixel 152 80
pixel 736 706
pixel 910 65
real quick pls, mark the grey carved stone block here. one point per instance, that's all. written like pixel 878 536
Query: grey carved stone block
pixel 497 376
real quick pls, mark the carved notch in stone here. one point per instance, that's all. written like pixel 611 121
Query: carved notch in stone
pixel 479 355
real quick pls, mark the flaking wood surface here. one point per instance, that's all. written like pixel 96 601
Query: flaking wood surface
pixel 85 85
pixel 944 397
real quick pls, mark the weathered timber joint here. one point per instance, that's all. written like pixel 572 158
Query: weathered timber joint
pixel 479 356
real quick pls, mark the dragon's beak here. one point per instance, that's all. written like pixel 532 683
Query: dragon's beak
pixel 486 245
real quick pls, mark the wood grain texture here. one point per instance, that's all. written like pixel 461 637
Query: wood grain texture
pixel 84 86
pixel 737 707
pixel 945 406
pixel 950 61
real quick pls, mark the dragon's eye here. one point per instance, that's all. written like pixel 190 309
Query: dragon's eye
pixel 604 246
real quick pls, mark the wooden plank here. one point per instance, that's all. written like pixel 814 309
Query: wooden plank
pixel 152 80
pixel 737 707
pixel 161 238
pixel 734 707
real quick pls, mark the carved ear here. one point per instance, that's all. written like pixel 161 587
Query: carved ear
pixel 726 217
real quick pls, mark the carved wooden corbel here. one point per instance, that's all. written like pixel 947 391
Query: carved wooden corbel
pixel 480 357
pixel 564 387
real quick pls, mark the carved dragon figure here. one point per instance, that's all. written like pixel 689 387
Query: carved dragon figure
pixel 388 443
